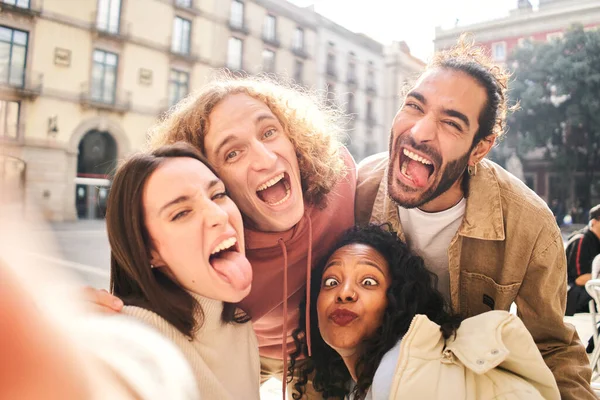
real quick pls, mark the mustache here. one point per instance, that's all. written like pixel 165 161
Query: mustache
pixel 425 149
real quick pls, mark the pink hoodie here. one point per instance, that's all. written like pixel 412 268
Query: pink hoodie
pixel 265 250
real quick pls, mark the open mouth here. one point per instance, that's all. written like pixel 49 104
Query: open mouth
pixel 275 191
pixel 230 264
pixel 230 244
pixel 416 168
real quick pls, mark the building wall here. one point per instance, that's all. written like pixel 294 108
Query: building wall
pixel 365 137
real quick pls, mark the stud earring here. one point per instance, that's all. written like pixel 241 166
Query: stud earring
pixel 152 266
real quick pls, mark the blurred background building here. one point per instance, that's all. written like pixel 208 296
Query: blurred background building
pixel 82 81
pixel 501 37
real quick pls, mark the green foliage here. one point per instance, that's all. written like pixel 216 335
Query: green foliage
pixel 558 87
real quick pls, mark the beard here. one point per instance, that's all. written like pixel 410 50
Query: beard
pixel 451 173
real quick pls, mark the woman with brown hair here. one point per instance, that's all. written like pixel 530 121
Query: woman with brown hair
pixel 178 262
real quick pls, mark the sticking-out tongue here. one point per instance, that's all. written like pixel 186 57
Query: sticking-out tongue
pixel 418 172
pixel 234 267
pixel 273 194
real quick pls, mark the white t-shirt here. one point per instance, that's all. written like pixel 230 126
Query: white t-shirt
pixel 429 235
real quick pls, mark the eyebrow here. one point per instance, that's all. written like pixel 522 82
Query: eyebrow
pixel 182 199
pixel 448 111
pixel 363 262
pixel 232 137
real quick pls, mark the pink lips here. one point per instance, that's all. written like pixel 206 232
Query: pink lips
pixel 342 317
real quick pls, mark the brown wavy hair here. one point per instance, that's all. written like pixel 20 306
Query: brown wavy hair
pixel 313 128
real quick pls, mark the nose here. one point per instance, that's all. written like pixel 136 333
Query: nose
pixel 214 215
pixel 424 130
pixel 347 293
pixel 263 158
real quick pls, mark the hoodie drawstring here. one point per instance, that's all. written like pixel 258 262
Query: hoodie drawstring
pixel 285 298
pixel 284 354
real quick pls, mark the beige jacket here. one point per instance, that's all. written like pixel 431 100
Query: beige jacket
pixel 492 357
pixel 507 249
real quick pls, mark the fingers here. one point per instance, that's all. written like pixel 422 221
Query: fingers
pixel 102 301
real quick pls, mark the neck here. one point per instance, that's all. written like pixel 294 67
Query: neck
pixel 351 365
pixel 446 200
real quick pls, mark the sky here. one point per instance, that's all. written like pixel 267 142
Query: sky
pixel 413 21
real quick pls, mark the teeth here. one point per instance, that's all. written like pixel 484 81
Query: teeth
pixel 225 244
pixel 403 169
pixel 287 196
pixel 270 182
pixel 416 157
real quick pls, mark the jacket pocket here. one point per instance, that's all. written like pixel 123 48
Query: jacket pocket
pixel 480 293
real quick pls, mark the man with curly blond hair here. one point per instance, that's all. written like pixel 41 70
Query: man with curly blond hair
pixel 278 151
pixel 491 240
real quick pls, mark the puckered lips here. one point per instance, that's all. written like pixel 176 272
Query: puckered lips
pixel 342 316
pixel 415 168
pixel 229 263
pixel 275 191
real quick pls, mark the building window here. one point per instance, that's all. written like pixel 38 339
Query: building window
pixel 350 106
pixel 184 3
pixel 370 117
pixel 9 119
pixel 17 3
pixel 13 53
pixel 298 40
pixel 370 80
pixel 331 64
pixel 179 85
pixel 299 71
pixel 236 19
pixel 108 15
pixel 270 28
pixel 104 76
pixel 499 51
pixel 235 49
pixel 181 36
pixel 268 57
pixel 351 70
pixel 331 94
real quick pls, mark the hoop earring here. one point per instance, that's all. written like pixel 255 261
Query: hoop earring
pixel 472 170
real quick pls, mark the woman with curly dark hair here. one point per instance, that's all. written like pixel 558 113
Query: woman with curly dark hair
pixel 369 299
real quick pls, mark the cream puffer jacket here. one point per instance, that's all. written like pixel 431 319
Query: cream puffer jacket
pixel 493 356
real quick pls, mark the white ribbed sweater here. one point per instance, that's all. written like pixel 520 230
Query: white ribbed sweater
pixel 223 356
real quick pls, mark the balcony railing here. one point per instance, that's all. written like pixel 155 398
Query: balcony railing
pixel 300 52
pixel 12 132
pixel 236 26
pixel 189 56
pixel 331 71
pixel 371 88
pixel 271 40
pixel 31 11
pixel 28 87
pixel 121 33
pixel 186 6
pixel 119 102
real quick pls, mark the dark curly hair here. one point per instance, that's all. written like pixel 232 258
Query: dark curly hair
pixel 412 291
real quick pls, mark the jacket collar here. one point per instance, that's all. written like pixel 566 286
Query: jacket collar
pixel 483 214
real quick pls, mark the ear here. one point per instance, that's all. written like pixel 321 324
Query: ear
pixel 156 259
pixel 481 149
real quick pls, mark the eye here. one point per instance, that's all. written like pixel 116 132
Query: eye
pixel 269 133
pixel 231 155
pixel 219 195
pixel 330 282
pixel 369 282
pixel 414 106
pixel 454 125
pixel 180 215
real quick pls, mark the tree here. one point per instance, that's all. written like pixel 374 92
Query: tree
pixel 558 87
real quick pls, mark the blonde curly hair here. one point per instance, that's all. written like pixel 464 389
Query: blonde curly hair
pixel 472 60
pixel 312 127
